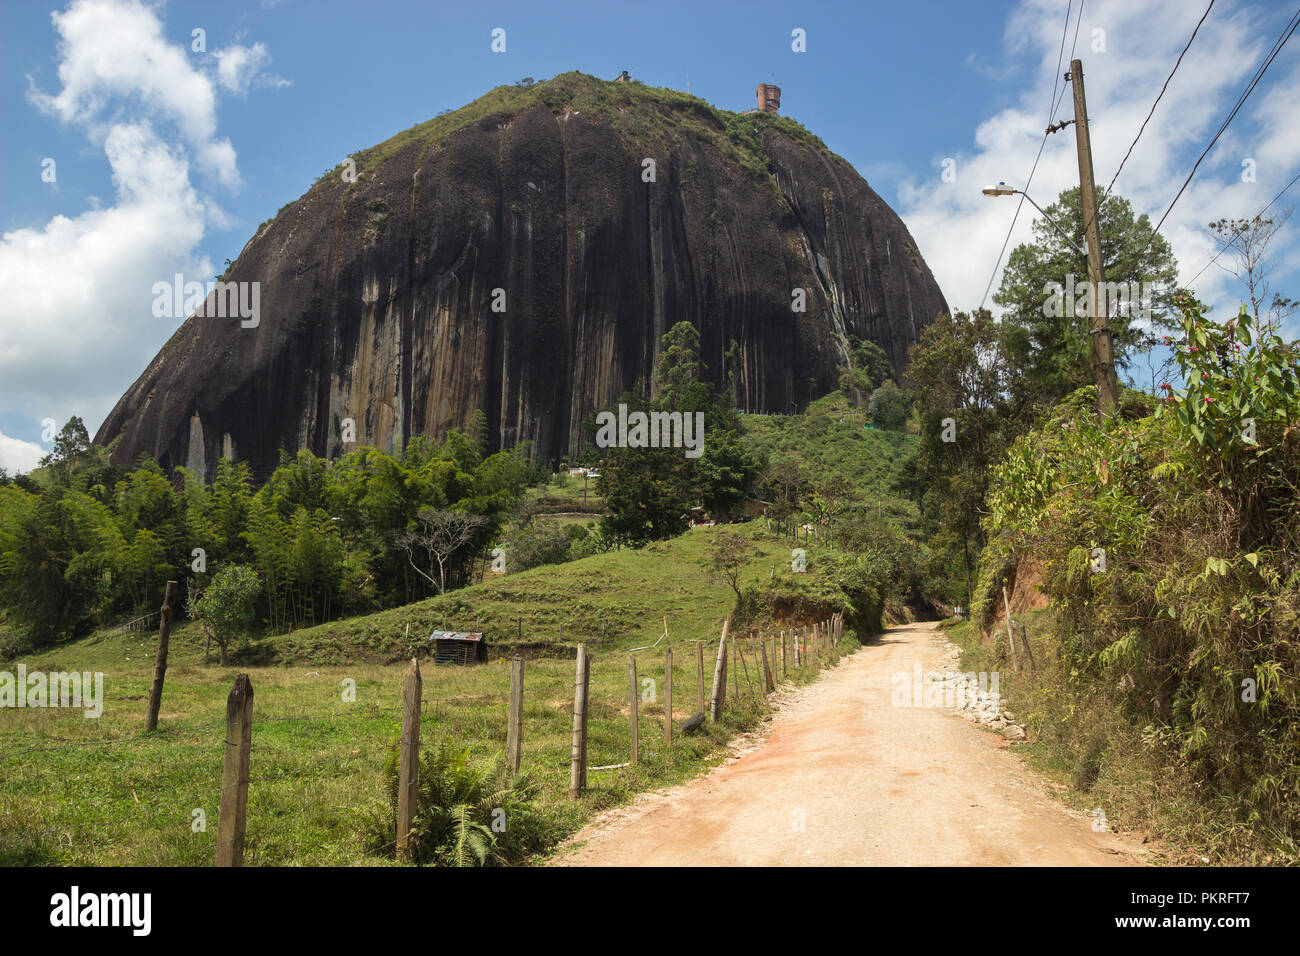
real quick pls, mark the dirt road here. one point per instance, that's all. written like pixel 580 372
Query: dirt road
pixel 871 784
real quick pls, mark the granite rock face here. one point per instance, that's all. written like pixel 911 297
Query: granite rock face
pixel 512 257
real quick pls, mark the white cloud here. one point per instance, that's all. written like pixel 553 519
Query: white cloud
pixel 115 50
pixel 80 320
pixel 239 67
pixel 960 231
pixel 17 455
pixel 77 326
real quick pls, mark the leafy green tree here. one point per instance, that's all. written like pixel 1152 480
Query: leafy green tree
pixel 42 585
pixel 869 367
pixel 70 446
pixel 961 378
pixel 225 608
pixel 1047 344
pixel 784 485
pixel 534 543
pixel 890 407
pixel 648 492
pixel 726 472
pixel 679 373
pixel 730 554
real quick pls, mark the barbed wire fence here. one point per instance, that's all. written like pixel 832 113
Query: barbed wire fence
pixel 179 818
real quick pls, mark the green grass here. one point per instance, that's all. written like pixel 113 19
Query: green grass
pixel 619 598
pixel 829 439
pixel 95 792
pixel 651 117
pixel 566 494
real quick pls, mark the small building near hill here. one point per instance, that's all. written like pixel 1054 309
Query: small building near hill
pixel 769 98
pixel 458 647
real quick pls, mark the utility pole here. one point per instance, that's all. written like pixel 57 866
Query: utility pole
pixel 1103 353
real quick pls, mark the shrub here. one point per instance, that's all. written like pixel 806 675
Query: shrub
pixel 1171 552
pixel 466 814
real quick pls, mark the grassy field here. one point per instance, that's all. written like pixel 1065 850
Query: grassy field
pixel 76 790
pixel 831 439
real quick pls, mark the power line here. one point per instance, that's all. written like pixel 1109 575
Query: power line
pixel 1287 31
pixel 1177 63
pixel 1055 103
pixel 1294 180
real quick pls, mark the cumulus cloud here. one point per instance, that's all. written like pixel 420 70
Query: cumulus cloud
pixel 17 455
pixel 960 231
pixel 239 67
pixel 79 319
pixel 78 325
pixel 115 50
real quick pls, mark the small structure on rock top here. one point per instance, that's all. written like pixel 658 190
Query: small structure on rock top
pixel 769 98
pixel 624 77
pixel 458 647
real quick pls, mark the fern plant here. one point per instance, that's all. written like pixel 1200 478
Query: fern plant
pixel 467 813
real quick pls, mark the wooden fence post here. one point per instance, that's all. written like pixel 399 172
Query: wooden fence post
pixel 408 771
pixel 578 763
pixel 699 674
pixel 515 728
pixel 633 710
pixel 160 659
pixel 1026 647
pixel 749 684
pixel 668 696
pixel 768 684
pixel 1011 638
pixel 234 773
pixel 719 676
pixel 784 669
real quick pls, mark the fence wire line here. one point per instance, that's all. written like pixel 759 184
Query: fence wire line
pixel 371 712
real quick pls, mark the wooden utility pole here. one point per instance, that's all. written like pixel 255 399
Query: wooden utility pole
pixel 160 659
pixel 1103 352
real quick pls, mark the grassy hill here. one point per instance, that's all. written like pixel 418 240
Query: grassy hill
pixel 83 791
pixel 832 439
pixel 96 791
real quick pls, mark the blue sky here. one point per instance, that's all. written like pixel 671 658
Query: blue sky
pixel 166 159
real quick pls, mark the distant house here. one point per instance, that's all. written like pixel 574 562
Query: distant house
pixel 697 517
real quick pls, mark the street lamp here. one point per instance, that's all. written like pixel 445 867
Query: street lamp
pixel 1002 189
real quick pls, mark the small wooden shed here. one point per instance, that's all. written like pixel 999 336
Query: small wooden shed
pixel 458 647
